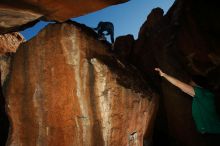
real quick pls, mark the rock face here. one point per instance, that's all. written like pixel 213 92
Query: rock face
pixel 183 42
pixel 123 46
pixel 64 88
pixel 15 14
pixel 10 42
pixel 8 45
pixel 3 119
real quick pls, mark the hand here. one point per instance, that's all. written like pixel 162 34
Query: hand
pixel 160 71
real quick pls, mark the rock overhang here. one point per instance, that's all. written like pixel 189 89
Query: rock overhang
pixel 14 15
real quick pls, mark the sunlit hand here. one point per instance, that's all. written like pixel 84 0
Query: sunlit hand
pixel 160 71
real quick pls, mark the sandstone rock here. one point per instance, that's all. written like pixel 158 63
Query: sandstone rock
pixel 66 89
pixel 15 14
pixel 152 19
pixel 8 45
pixel 4 66
pixel 123 46
pixel 3 119
pixel 182 42
pixel 10 42
pixel 14 19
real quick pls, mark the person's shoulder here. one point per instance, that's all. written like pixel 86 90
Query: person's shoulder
pixel 198 89
pixel 202 91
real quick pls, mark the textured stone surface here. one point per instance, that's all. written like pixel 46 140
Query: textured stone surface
pixel 183 42
pixel 3 119
pixel 5 66
pixel 8 45
pixel 123 46
pixel 66 89
pixel 10 42
pixel 15 14
pixel 11 17
pixel 152 19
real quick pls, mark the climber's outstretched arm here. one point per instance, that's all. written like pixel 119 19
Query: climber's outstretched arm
pixel 183 86
pixel 98 27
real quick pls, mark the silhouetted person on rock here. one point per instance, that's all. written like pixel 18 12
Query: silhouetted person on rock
pixel 203 105
pixel 105 26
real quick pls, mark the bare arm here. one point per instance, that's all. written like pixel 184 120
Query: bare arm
pixel 98 26
pixel 188 89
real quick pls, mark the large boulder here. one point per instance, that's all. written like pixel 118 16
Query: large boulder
pixel 4 122
pixel 64 88
pixel 8 45
pixel 183 42
pixel 19 14
pixel 123 46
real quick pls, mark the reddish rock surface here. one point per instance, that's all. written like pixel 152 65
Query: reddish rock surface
pixel 8 45
pixel 10 42
pixel 183 42
pixel 66 89
pixel 15 14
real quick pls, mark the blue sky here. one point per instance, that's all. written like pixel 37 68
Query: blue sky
pixel 127 17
